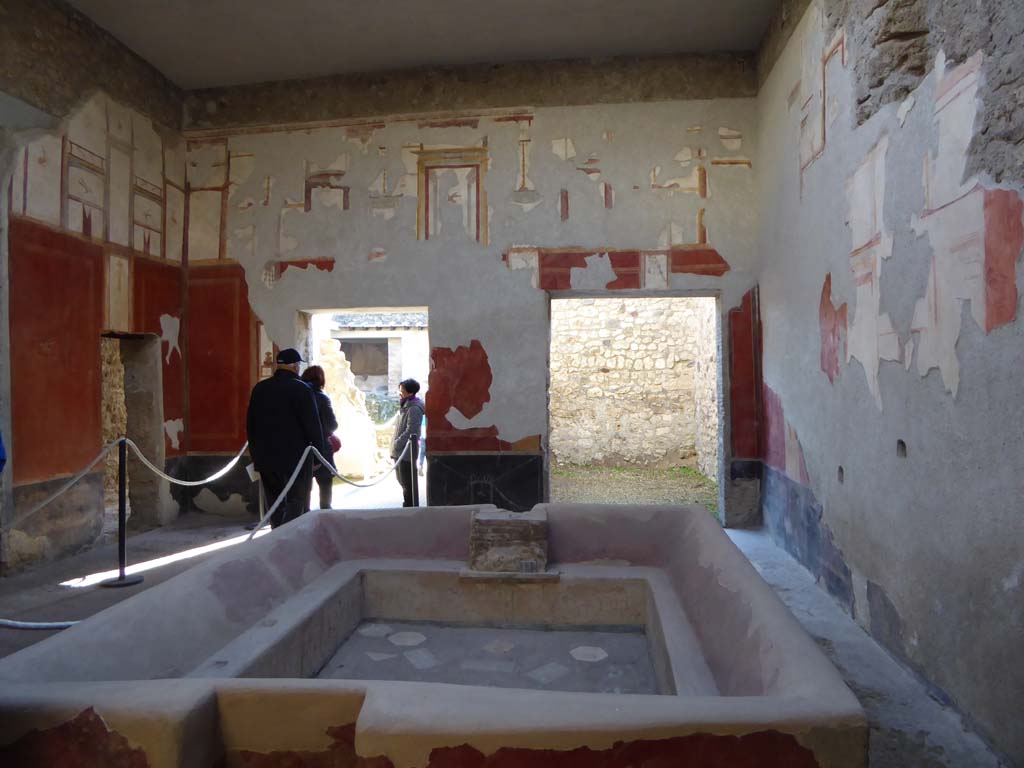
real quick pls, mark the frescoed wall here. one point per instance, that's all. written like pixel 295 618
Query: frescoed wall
pixel 892 349
pixel 480 216
pixel 96 224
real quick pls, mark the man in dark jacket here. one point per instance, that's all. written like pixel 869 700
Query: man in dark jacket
pixel 281 421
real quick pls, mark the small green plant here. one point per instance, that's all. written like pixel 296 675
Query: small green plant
pixel 381 407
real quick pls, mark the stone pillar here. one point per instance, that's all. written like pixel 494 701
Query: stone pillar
pixel 150 496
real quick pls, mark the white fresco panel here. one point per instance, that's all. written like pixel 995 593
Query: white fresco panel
pixel 175 224
pixel 43 195
pixel 204 226
pixel 120 197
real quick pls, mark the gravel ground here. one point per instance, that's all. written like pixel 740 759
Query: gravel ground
pixel 633 485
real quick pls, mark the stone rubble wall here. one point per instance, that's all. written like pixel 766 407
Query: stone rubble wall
pixel 114 417
pixel 706 394
pixel 624 379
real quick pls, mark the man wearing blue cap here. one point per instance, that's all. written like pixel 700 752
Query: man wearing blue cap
pixel 281 421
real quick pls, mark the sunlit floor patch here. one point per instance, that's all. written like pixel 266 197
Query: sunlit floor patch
pixel 149 565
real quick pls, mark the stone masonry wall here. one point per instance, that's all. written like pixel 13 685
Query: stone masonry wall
pixel 623 378
pixel 705 386
pixel 115 412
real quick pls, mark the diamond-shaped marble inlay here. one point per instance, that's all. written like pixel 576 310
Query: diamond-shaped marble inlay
pixel 380 656
pixel 548 673
pixel 499 647
pixel 406 639
pixel 588 653
pixel 421 658
pixel 375 630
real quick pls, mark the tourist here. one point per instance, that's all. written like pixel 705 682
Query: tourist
pixel 314 377
pixel 410 416
pixel 281 421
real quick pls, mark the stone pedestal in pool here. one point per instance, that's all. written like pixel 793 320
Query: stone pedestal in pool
pixel 502 542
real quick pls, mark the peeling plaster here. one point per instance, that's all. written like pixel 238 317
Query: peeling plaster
pixel 871 335
pixel 730 138
pixel 595 276
pixel 174 428
pixel 904 109
pixel 170 328
pixel 207 501
pixel 975 234
pixel 563 148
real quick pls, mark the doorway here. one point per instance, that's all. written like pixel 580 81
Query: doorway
pixel 634 400
pixel 365 354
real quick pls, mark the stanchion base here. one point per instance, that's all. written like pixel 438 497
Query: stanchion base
pixel 122 581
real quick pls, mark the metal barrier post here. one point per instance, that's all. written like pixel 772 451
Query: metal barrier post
pixel 122 521
pixel 413 453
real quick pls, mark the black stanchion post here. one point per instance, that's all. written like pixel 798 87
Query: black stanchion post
pixel 122 521
pixel 414 441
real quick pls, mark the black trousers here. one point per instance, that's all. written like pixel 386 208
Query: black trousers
pixel 325 482
pixel 296 502
pixel 405 479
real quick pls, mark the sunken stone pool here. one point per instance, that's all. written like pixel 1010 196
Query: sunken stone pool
pixel 627 636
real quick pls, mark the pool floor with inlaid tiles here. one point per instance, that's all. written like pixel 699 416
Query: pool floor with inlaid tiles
pixel 578 659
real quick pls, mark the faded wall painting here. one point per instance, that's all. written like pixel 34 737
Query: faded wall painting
pixel 478 216
pixel 113 180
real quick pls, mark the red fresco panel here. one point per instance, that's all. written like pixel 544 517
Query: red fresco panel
pixel 56 317
pixel 697 261
pixel 220 352
pixel 745 377
pixel 762 749
pixel 461 377
pixel 556 269
pixel 626 265
pixel 156 291
pixel 832 325
pixel 774 431
pixel 324 265
pixel 1004 236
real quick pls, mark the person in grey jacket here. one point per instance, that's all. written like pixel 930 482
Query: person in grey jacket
pixel 410 416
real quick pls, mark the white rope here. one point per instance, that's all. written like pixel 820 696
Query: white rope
pixel 372 483
pixel 12 624
pixel 295 474
pixel 63 489
pixel 280 498
pixel 188 483
pixel 67 486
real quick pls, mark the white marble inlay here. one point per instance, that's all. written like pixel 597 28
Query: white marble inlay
pixel 375 630
pixel 498 647
pixel 588 653
pixel 406 638
pixel 421 658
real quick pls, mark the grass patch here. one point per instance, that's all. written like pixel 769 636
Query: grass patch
pixel 636 485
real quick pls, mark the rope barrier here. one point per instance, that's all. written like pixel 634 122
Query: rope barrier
pixel 12 624
pixel 64 489
pixel 52 625
pixel 295 474
pixel 344 479
pixel 131 443
pixel 187 483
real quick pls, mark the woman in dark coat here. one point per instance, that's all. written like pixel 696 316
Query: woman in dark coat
pixel 314 377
